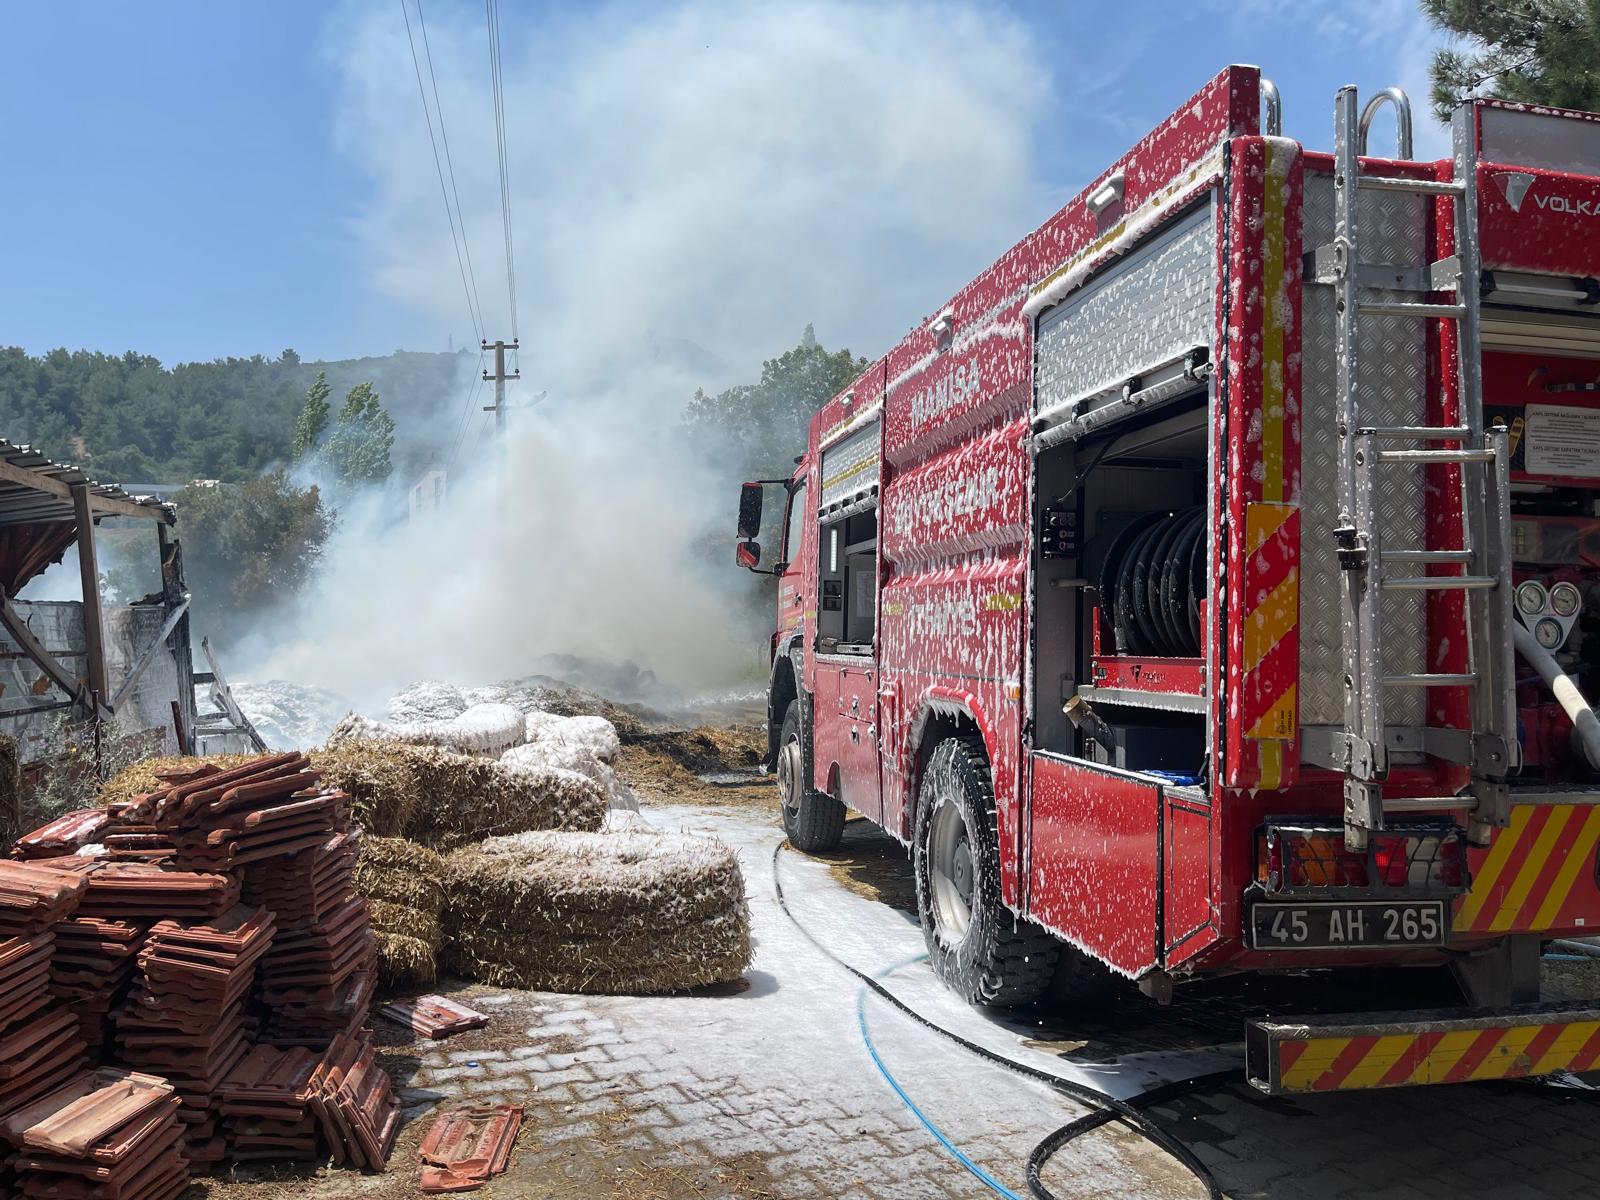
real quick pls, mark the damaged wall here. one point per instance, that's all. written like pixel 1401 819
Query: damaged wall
pixel 58 624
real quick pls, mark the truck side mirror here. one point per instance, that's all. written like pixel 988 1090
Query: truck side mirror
pixel 748 555
pixel 750 498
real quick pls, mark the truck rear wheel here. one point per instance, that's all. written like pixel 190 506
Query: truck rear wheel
pixel 983 952
pixel 813 820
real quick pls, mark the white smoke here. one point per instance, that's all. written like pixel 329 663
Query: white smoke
pixel 691 186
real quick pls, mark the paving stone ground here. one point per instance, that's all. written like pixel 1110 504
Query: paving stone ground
pixel 769 1091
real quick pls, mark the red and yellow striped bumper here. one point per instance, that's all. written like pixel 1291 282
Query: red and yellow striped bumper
pixel 1379 1050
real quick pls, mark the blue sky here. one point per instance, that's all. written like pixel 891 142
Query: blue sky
pixel 196 180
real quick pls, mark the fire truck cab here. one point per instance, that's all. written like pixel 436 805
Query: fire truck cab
pixel 1213 585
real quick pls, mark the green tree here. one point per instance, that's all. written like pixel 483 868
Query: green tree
pixel 758 428
pixel 313 419
pixel 247 547
pixel 1538 51
pixel 358 448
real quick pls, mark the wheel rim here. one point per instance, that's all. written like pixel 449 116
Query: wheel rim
pixel 952 872
pixel 789 775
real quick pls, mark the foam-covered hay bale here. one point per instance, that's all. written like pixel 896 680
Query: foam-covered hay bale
pixel 480 729
pixel 446 800
pixel 594 734
pixel 629 913
pixel 574 758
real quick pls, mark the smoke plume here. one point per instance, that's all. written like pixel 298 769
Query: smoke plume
pixel 691 186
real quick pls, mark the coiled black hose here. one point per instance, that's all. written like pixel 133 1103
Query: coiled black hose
pixel 1153 581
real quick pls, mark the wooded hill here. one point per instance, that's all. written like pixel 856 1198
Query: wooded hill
pixel 129 419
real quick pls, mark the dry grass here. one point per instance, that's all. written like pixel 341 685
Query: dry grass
pixel 140 778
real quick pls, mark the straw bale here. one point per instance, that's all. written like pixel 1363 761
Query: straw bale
pixel 446 800
pixel 713 950
pixel 576 758
pixel 405 962
pixel 380 779
pixel 594 734
pixel 596 882
pixel 398 872
pixel 481 729
pixel 628 912
pixel 406 922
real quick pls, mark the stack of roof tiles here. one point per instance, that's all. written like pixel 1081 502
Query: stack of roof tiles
pixel 265 1105
pixel 107 1134
pixel 317 979
pixel 40 1046
pixel 65 835
pixel 206 941
pixel 93 964
pixel 186 1017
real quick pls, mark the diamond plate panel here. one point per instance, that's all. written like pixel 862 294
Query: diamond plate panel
pixel 851 468
pixel 1393 392
pixel 1155 305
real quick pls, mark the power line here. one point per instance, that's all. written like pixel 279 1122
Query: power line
pixel 466 412
pixel 450 165
pixel 491 11
pixel 450 215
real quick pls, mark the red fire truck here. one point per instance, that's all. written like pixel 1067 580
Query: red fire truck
pixel 1213 585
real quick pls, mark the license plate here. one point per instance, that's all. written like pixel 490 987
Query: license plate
pixel 1354 925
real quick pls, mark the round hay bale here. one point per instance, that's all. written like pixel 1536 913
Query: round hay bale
pixel 713 950
pixel 402 921
pixel 626 912
pixel 596 883
pixel 405 962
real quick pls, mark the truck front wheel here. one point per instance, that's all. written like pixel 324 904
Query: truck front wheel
pixel 813 820
pixel 982 951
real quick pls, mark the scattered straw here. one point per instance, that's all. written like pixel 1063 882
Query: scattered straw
pixel 141 776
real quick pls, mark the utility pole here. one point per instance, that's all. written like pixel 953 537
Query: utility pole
pixel 498 408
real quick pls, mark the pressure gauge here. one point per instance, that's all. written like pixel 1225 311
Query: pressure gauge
pixel 1531 597
pixel 1565 599
pixel 1549 633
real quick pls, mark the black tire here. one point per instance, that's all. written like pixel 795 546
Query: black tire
pixel 813 820
pixel 980 949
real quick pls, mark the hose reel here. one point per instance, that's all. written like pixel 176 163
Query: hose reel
pixel 1152 584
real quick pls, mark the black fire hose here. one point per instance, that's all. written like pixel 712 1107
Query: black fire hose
pixel 1107 1107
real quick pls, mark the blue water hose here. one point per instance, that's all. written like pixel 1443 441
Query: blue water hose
pixel 983 1177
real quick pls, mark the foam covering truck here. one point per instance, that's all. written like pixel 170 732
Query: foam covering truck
pixel 1212 585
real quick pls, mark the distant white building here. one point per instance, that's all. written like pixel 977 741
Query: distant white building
pixel 428 493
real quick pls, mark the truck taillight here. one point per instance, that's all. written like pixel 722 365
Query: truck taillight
pixel 1302 856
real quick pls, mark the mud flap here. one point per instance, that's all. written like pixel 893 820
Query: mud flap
pixel 1405 1049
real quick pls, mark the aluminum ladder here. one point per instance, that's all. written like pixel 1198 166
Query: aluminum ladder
pixel 1480 567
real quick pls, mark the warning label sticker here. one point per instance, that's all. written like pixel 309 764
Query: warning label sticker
pixel 1562 440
